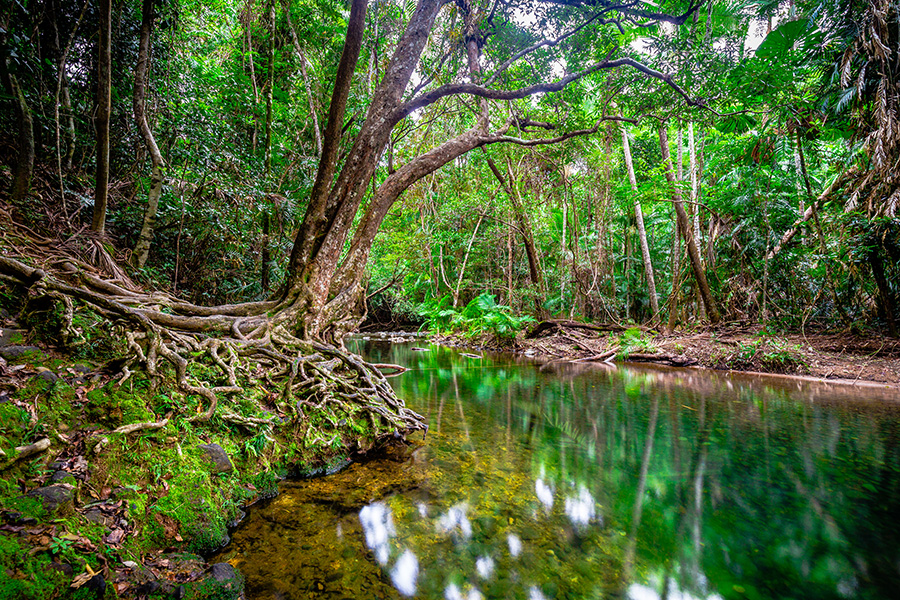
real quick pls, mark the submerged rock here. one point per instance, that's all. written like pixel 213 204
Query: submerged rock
pixel 219 458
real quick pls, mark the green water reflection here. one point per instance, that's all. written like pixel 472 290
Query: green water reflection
pixel 582 482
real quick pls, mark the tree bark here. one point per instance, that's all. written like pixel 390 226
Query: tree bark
pixel 523 223
pixel 270 84
pixel 25 163
pixel 101 120
pixel 684 226
pixel 145 239
pixel 641 230
pixel 884 290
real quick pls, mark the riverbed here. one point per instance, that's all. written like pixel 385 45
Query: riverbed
pixel 545 481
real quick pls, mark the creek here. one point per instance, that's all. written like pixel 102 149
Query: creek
pixel 584 481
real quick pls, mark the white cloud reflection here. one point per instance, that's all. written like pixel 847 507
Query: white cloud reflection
pixel 544 493
pixel 405 573
pixel 456 518
pixel 581 509
pixel 378 527
pixel 515 545
pixel 485 566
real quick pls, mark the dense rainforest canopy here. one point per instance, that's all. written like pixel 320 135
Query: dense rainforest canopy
pixel 300 164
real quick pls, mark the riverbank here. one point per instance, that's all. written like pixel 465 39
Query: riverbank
pixel 111 487
pixel 842 357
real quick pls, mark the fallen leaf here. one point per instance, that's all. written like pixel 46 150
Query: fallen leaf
pixel 82 579
pixel 115 537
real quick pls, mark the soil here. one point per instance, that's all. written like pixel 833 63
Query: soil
pixel 841 356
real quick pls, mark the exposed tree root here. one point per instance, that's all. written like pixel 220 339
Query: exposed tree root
pixel 207 351
pixel 24 452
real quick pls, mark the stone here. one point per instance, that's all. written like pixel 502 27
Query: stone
pixel 10 336
pixel 223 581
pixel 19 354
pixel 60 476
pixel 56 497
pixel 64 568
pixel 49 376
pixel 218 457
pixel 223 572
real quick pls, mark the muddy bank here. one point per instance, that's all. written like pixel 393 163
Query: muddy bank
pixel 832 356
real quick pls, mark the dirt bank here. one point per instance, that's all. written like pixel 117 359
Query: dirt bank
pixel 832 356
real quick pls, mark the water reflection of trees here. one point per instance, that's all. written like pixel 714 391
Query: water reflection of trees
pixel 724 488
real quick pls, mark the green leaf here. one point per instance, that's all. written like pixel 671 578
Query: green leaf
pixel 781 39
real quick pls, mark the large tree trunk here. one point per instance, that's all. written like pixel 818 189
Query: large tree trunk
pixel 25 162
pixel 24 166
pixel 684 225
pixel 142 248
pixel 101 119
pixel 641 230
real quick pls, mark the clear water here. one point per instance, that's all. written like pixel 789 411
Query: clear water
pixel 575 481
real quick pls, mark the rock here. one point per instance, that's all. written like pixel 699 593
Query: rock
pixel 10 336
pixel 59 476
pixel 223 581
pixel 97 584
pixel 49 376
pixel 54 497
pixel 64 568
pixel 218 457
pixel 95 515
pixel 223 572
pixel 20 354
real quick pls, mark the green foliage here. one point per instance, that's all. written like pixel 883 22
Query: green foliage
pixel 481 316
pixel 634 340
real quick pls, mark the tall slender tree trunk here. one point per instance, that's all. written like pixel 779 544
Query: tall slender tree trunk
pixel 524 225
pixel 313 111
pixel 249 38
pixel 884 290
pixel 266 258
pixel 695 184
pixel 641 230
pixel 145 239
pixel 684 225
pixel 62 84
pixel 270 84
pixel 101 120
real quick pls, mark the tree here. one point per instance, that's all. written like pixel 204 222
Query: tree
pixel 320 292
pixel 142 249
pixel 101 119
pixel 445 47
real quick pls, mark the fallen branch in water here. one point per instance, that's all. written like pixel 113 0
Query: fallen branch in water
pixel 393 370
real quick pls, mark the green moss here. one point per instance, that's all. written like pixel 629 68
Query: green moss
pixel 29 507
pixel 26 577
pixel 112 406
pixel 13 424
pixel 210 589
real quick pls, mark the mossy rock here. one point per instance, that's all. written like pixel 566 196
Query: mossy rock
pixel 19 355
pixel 223 582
